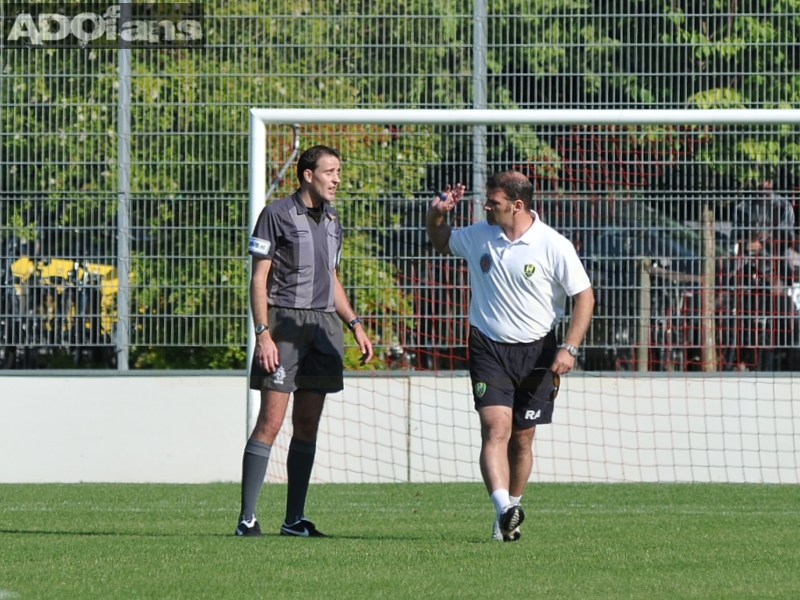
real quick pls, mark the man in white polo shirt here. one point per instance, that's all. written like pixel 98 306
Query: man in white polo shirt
pixel 521 272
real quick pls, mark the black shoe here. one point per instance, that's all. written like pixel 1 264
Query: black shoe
pixel 249 528
pixel 498 536
pixel 303 528
pixel 513 536
pixel 510 520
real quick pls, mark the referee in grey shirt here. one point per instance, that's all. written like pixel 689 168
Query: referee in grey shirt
pixel 297 303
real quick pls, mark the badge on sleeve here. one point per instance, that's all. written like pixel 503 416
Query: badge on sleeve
pixel 258 246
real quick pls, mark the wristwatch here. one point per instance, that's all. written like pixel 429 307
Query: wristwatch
pixel 573 351
pixel 261 328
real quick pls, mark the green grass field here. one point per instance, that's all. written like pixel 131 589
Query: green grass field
pixel 401 541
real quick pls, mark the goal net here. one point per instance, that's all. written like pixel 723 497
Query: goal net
pixel 685 221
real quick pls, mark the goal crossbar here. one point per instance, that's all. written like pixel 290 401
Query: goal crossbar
pixel 260 117
pixel 722 116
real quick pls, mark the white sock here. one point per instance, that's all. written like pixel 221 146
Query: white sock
pixel 500 500
pixel 515 499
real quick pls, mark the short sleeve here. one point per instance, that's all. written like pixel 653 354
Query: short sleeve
pixel 571 272
pixel 263 241
pixel 459 242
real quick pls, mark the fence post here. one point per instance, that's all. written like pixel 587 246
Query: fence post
pixel 480 99
pixel 643 337
pixel 707 292
pixel 123 201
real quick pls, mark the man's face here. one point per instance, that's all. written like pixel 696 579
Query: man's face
pixel 324 180
pixel 499 209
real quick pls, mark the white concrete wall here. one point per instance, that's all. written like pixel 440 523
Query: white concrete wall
pixel 192 429
pixel 121 429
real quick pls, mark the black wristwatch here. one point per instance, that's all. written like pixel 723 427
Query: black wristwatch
pixel 352 324
pixel 261 328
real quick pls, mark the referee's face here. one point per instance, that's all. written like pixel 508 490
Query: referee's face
pixel 324 180
pixel 498 208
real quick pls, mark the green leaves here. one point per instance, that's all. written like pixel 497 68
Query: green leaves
pixel 189 125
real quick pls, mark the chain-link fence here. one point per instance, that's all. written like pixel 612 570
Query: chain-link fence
pixel 123 190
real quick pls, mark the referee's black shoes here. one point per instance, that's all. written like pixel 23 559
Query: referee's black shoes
pixel 302 528
pixel 249 528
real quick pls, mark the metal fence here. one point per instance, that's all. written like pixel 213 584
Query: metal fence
pixel 123 186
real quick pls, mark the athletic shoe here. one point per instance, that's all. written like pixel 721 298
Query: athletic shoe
pixel 249 528
pixel 302 528
pixel 510 520
pixel 497 535
pixel 513 535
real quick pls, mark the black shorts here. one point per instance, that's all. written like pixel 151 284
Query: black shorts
pixel 310 350
pixel 514 375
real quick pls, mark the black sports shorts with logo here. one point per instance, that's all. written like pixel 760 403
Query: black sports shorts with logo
pixel 514 375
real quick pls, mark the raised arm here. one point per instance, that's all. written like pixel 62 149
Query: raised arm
pixel 438 231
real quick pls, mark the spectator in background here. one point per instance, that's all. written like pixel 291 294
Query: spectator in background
pixel 763 226
pixel 763 233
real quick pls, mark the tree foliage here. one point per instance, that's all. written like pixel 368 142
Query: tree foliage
pixel 60 162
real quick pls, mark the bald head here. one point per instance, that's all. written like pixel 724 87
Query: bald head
pixel 515 185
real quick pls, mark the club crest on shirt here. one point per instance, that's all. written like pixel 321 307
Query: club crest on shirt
pixel 529 270
pixel 480 389
pixel 486 262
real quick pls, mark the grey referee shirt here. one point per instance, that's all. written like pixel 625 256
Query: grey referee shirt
pixel 304 253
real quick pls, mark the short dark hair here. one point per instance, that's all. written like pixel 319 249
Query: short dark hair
pixel 515 185
pixel 309 159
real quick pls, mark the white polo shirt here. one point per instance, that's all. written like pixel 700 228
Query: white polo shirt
pixel 519 288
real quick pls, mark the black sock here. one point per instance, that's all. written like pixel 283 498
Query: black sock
pixel 299 463
pixel 254 469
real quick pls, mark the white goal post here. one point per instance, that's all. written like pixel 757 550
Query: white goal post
pixel 716 427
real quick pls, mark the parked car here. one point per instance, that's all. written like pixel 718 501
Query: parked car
pixel 756 325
